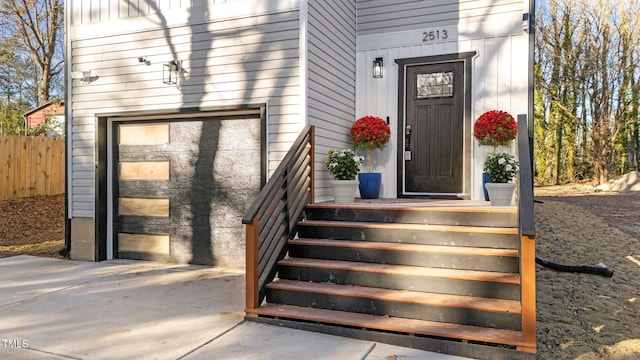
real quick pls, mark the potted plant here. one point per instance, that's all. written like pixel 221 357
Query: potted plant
pixel 370 132
pixel 343 166
pixel 501 168
pixel 494 128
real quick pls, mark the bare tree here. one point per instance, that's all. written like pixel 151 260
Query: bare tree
pixel 588 89
pixel 35 26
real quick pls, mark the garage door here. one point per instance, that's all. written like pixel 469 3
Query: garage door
pixel 181 188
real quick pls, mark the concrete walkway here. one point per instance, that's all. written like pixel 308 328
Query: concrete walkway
pixel 61 309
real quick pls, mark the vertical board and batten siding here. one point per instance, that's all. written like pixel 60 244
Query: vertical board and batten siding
pixel 499 70
pixel 331 60
pixel 229 61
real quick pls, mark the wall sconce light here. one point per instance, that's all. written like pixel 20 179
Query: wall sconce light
pixel 84 76
pixel 143 60
pixel 170 72
pixel 525 22
pixel 377 68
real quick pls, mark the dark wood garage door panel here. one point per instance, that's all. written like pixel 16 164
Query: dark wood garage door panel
pixel 144 225
pixel 214 177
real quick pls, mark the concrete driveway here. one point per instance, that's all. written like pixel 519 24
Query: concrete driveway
pixel 62 309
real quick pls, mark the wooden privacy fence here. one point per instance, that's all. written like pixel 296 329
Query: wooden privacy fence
pixel 31 166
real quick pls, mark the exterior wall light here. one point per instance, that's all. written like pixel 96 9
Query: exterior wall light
pixel 525 22
pixel 84 76
pixel 170 72
pixel 143 60
pixel 377 68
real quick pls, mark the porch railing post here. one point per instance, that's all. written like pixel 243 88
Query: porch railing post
pixel 312 164
pixel 252 258
pixel 527 237
pixel 266 238
pixel 528 284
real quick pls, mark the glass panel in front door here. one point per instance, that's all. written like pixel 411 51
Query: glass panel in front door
pixel 439 84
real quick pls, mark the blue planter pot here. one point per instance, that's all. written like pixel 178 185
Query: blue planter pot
pixel 370 185
pixel 486 180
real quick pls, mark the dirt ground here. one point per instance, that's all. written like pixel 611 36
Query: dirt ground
pixel 580 316
pixel 32 226
pixel 583 316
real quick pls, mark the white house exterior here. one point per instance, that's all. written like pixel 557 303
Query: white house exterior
pixel 249 75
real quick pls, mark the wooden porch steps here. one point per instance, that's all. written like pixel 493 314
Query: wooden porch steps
pixel 394 324
pixel 460 235
pixel 406 247
pixel 436 256
pixel 503 307
pixel 449 272
pixel 419 271
pixel 489 284
pixel 401 211
pixel 419 227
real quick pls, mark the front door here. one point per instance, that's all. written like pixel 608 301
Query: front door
pixel 433 130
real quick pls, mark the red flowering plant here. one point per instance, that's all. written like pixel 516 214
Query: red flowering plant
pixel 495 128
pixel 370 132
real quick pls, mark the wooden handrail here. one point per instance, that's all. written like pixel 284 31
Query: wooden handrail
pixel 271 220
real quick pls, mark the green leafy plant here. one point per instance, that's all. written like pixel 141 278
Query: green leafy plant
pixel 501 167
pixel 343 164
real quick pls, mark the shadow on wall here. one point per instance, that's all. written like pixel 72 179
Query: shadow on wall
pixel 201 196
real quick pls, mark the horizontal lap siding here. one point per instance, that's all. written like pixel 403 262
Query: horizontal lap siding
pixel 251 60
pixel 380 16
pixel 92 11
pixel 331 56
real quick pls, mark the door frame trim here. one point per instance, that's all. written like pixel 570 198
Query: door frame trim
pixel 466 58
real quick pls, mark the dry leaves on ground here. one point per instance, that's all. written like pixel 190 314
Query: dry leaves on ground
pixel 32 226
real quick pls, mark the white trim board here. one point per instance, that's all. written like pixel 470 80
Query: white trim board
pixel 459 33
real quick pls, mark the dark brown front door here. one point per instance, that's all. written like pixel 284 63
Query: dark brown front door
pixel 434 123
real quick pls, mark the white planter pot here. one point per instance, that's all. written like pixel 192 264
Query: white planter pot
pixel 500 194
pixel 344 191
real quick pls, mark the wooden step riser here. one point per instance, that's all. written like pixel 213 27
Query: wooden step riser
pixel 439 260
pixel 379 329
pixel 463 316
pixel 410 236
pixel 415 216
pixel 403 282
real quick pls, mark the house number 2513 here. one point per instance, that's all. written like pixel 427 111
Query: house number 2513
pixel 435 35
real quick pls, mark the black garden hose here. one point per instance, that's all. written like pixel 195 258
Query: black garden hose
pixel 599 269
